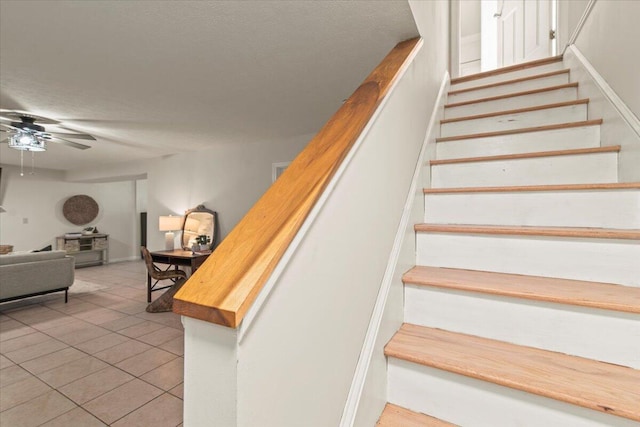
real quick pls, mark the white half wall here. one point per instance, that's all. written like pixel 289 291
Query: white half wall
pixel 34 211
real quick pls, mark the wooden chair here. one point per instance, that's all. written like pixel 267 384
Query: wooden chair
pixel 157 274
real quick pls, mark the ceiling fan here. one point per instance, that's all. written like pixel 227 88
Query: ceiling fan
pixel 23 133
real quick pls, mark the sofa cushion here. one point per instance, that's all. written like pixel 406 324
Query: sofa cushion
pixel 30 257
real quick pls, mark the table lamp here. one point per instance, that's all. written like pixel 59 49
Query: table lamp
pixel 169 223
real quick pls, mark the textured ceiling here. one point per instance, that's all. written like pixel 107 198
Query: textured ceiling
pixel 149 79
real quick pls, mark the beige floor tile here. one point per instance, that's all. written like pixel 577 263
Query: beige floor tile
pixel 166 318
pixel 36 316
pixel 72 371
pixel 36 411
pixel 76 325
pixel 132 307
pixel 122 351
pixel 4 362
pixel 178 391
pixel 11 329
pixel 34 351
pixel 77 417
pixel 140 329
pixel 96 384
pixel 146 361
pixel 101 315
pixel 74 306
pixel 175 346
pixel 13 374
pixel 160 336
pixel 102 343
pixel 120 401
pixel 60 320
pixel 166 376
pixel 125 322
pixel 21 392
pixel 164 411
pixel 87 333
pixel 23 341
pixel 52 360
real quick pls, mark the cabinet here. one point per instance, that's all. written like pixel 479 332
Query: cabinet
pixel 89 249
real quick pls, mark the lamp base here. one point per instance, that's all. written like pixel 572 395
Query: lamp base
pixel 169 240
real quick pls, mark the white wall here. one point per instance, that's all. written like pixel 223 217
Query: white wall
pixel 605 63
pixel 609 40
pixel 228 178
pixel 39 198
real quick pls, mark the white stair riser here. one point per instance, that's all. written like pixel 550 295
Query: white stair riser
pixel 523 101
pixel 548 116
pixel 541 69
pixel 528 142
pixel 467 401
pixel 595 260
pixel 602 335
pixel 584 208
pixel 568 169
pixel 555 80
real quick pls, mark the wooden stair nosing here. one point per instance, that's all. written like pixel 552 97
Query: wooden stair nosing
pixel 397 416
pixel 512 95
pixel 508 69
pixel 516 111
pixel 506 82
pixel 571 232
pixel 594 122
pixel 604 296
pixel 569 152
pixel 600 386
pixel 536 188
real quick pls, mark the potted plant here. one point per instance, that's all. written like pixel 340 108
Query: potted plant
pixel 203 242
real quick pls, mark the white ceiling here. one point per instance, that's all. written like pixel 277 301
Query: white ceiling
pixel 152 78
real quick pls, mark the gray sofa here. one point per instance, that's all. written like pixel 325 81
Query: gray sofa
pixel 28 274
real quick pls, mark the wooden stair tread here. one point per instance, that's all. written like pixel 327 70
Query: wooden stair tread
pixel 575 232
pixel 397 416
pixel 533 188
pixel 570 152
pixel 508 69
pixel 512 95
pixel 594 122
pixel 516 111
pixel 595 385
pixel 562 291
pixel 506 82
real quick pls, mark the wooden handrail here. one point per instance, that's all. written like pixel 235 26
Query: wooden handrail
pixel 224 287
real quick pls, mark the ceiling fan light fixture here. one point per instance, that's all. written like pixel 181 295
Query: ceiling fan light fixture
pixel 27 141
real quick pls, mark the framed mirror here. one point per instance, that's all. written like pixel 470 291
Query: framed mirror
pixel 199 222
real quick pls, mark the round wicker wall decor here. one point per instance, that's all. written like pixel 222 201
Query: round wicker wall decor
pixel 80 209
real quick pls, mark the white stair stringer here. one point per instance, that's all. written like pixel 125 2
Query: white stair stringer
pixel 563 94
pixel 604 335
pixel 509 87
pixel 567 208
pixel 562 169
pixel 468 401
pixel 590 259
pixel 511 75
pixel 516 143
pixel 517 120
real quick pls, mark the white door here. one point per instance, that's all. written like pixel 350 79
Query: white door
pixel 524 28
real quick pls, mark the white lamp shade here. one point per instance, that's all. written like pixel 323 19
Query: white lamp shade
pixel 170 223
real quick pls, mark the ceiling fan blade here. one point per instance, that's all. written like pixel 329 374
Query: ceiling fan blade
pixel 68 143
pixel 7 128
pixel 15 116
pixel 72 135
pixel 2 141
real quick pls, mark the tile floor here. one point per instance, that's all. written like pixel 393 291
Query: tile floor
pixel 98 360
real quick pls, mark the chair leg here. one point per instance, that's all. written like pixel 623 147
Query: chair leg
pixel 66 295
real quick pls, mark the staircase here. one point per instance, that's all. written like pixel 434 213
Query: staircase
pixel 524 306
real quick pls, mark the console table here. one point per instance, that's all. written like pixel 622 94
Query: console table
pixel 88 243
